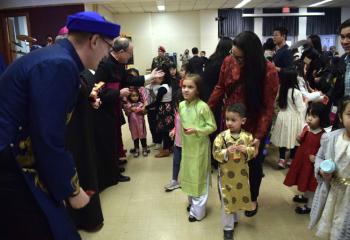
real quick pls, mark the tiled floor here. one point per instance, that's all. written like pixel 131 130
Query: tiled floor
pixel 141 209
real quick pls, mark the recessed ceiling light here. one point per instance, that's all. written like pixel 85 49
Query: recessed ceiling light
pixel 161 8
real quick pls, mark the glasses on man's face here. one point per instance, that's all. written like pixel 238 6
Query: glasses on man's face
pixel 110 45
pixel 239 59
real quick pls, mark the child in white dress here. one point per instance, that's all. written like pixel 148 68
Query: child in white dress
pixel 290 118
pixel 330 209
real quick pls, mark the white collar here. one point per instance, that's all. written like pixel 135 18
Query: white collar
pixel 315 131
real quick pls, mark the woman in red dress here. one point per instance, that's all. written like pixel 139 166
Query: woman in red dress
pixel 247 77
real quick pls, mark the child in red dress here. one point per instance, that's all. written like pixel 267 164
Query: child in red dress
pixel 301 172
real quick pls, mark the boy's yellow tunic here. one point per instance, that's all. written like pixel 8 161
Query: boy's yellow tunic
pixel 234 170
pixel 195 159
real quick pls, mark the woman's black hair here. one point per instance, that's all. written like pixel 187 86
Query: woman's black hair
pixel 319 109
pixel 222 50
pixel 316 42
pixel 253 73
pixel 269 44
pixel 342 105
pixel 288 79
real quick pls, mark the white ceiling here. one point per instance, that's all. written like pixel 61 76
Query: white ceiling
pixel 139 6
pixel 130 6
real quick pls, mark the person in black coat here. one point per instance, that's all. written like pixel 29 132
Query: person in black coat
pixel 80 141
pixel 196 63
pixel 211 77
pixel 112 71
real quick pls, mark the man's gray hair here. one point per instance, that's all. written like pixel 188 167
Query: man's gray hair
pixel 121 43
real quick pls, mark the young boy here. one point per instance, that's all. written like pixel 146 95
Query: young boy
pixel 233 149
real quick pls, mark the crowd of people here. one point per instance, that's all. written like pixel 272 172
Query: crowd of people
pixel 62 108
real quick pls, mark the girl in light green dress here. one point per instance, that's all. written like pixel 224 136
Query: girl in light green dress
pixel 198 123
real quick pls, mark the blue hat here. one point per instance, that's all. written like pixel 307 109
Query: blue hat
pixel 92 22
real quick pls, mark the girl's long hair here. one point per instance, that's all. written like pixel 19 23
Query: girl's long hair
pixel 288 79
pixel 253 73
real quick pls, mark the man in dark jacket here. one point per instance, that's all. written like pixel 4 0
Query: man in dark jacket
pixel 196 63
pixel 283 57
pixel 37 96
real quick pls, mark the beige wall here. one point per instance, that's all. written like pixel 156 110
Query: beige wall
pixel 100 9
pixel 175 31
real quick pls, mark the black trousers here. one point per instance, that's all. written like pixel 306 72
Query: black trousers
pixel 21 217
pixel 167 142
pixel 137 143
pixel 152 121
pixel 282 151
pixel 256 171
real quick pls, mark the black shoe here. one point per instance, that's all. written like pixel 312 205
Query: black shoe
pixel 299 199
pixel 122 162
pixel 91 229
pixel 302 210
pixel 228 234
pixel 251 213
pixel 123 178
pixel 121 169
pixel 192 219
pixel 188 208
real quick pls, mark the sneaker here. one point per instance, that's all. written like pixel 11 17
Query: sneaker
pixel 303 210
pixel 136 153
pixel 172 186
pixel 145 152
pixel 282 164
pixel 289 162
pixel 300 199
pixel 192 219
pixel 158 146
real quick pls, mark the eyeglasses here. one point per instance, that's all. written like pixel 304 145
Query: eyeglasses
pixel 112 48
pixel 239 59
